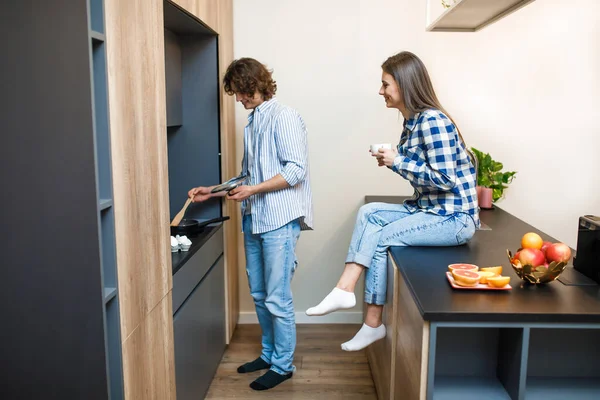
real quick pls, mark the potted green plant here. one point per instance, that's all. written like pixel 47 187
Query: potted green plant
pixel 491 181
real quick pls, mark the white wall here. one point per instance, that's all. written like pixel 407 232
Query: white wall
pixel 526 89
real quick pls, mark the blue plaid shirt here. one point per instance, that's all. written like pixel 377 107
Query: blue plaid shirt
pixel 434 160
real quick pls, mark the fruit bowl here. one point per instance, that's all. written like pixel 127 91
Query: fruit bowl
pixel 537 275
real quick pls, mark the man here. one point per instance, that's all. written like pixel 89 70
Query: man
pixel 276 206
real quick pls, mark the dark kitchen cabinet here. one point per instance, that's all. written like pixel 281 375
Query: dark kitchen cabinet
pixel 199 332
pixel 60 333
pixel 199 313
pixel 193 95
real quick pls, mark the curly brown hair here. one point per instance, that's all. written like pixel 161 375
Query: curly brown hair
pixel 247 76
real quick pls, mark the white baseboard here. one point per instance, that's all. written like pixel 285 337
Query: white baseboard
pixel 344 317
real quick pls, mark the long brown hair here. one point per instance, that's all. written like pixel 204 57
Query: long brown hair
pixel 247 76
pixel 413 80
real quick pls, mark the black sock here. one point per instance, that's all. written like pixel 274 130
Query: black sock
pixel 252 366
pixel 269 380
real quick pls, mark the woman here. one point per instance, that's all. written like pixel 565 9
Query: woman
pixel 443 211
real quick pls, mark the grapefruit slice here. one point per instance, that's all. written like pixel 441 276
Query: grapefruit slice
pixel 465 277
pixel 466 267
pixel 498 281
pixel 496 270
pixel 460 283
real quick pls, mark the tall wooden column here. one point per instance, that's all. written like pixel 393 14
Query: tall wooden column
pixel 137 101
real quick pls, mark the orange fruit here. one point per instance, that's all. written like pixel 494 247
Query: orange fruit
pixel 466 267
pixel 485 275
pixel 496 270
pixel 498 281
pixel 532 240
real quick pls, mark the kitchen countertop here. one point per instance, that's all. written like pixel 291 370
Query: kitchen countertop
pixel 423 269
pixel 198 239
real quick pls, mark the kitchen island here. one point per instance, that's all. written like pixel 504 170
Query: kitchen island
pixel 531 342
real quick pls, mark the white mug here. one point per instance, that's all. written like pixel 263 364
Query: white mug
pixel 375 147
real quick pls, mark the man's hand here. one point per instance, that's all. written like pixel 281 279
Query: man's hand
pixel 241 193
pixel 386 157
pixel 199 194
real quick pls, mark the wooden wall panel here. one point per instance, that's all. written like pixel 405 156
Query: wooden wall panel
pixel 136 83
pixel 229 167
pixel 137 100
pixel 412 348
pixel 381 353
pixel 148 363
pixel 205 10
pixel 136 79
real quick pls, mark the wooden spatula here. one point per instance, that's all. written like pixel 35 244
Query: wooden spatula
pixel 181 213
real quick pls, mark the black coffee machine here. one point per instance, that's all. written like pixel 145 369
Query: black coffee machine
pixel 587 258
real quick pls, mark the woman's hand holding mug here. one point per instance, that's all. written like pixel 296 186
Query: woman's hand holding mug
pixel 384 153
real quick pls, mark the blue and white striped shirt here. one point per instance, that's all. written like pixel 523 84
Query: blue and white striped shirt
pixel 277 135
pixel 435 161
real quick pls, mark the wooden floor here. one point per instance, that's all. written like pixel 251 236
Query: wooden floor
pixel 324 370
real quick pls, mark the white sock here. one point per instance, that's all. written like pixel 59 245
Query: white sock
pixel 336 300
pixel 364 337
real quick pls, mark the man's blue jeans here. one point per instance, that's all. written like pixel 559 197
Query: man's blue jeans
pixel 381 225
pixel 270 265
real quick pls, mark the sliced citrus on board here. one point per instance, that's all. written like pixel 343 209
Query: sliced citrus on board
pixel 496 270
pixel 484 275
pixel 498 281
pixel 465 277
pixel 466 267
pixel 462 283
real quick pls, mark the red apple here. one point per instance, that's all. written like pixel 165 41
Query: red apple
pixel 558 252
pixel 515 258
pixel 545 246
pixel 533 257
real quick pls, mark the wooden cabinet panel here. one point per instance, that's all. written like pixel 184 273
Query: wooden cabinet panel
pixel 412 344
pixel 205 10
pixel 148 356
pixel 137 106
pixel 381 353
pixel 229 167
pixel 136 80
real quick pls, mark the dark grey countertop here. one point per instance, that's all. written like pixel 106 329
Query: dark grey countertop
pixel 423 269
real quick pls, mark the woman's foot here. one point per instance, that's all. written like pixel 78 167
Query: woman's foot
pixel 338 299
pixel 364 337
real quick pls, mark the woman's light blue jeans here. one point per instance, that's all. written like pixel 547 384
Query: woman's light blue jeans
pixel 270 265
pixel 381 225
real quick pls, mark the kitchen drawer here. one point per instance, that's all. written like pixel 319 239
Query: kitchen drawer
pixel 192 272
pixel 199 334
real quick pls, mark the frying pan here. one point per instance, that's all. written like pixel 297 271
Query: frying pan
pixel 192 226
